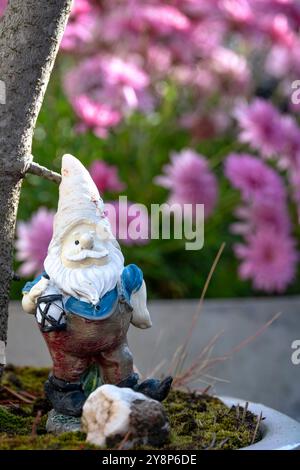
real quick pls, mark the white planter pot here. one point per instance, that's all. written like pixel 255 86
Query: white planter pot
pixel 280 432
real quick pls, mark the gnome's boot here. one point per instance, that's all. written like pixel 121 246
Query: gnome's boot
pixel 152 388
pixel 67 398
pixel 155 389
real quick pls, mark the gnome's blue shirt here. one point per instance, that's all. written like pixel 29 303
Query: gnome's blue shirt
pixel 130 282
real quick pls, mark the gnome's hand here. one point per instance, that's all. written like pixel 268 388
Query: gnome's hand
pixel 38 289
pixel 30 298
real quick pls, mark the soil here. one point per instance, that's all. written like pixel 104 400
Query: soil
pixel 198 421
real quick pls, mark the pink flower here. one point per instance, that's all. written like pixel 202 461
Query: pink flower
pixel 95 116
pixel 254 178
pixel 238 12
pixel 190 180
pixel 107 73
pixel 269 259
pixel 79 32
pixel 231 68
pixel 33 238
pixel 290 155
pixel 103 89
pixel 82 26
pixel 163 18
pixel 260 124
pixel 3 5
pixel 278 61
pixel 279 30
pixel 261 215
pixel 129 222
pixel 121 73
pixel 81 6
pixel 106 177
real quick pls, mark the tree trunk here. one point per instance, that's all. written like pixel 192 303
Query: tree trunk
pixel 30 34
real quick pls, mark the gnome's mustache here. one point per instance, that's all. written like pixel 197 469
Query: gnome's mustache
pixel 83 254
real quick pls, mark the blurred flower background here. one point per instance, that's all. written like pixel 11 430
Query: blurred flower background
pixel 188 101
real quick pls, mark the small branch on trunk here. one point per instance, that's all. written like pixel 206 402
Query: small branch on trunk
pixel 38 170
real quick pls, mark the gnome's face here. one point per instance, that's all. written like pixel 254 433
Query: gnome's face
pixel 85 245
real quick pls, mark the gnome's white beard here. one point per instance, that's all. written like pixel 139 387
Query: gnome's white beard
pixel 89 283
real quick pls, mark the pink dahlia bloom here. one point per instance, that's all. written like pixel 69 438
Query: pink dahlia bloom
pixel 232 70
pixel 79 32
pixel 129 222
pixel 254 178
pixel 96 116
pixel 82 26
pixel 269 260
pixel 290 156
pixel 163 18
pixel 33 238
pixel 3 5
pixel 121 73
pixel 81 6
pixel 238 12
pixel 261 126
pixel 190 180
pixel 106 177
pixel 102 89
pixel 268 214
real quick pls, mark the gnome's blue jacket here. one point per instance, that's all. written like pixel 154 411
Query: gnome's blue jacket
pixel 130 282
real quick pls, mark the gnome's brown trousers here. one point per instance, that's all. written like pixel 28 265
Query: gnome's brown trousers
pixel 92 341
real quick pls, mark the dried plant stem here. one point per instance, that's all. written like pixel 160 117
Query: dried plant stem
pixel 35 424
pixel 245 411
pixel 249 339
pixel 259 420
pixel 222 443
pixel 124 440
pixel 17 395
pixel 213 441
pixel 201 364
pixel 38 170
pixel 183 349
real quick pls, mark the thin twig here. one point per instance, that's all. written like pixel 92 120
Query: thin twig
pixel 245 411
pixel 28 395
pixel 222 443
pixel 156 369
pixel 35 423
pixel 38 170
pixel 198 311
pixel 124 440
pixel 249 339
pixel 17 395
pixel 259 419
pixel 213 441
pixel 198 367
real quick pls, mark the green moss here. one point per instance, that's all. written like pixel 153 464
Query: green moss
pixel 197 421
pixel 30 379
pixel 201 421
pixel 13 424
pixel 67 441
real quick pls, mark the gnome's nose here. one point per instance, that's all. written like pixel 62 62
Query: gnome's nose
pixel 86 241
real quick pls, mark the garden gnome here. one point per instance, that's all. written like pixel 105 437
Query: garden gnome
pixel 85 300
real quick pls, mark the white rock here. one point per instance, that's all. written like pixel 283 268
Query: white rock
pixel 112 413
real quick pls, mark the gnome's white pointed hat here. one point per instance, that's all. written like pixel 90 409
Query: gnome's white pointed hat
pixel 79 198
